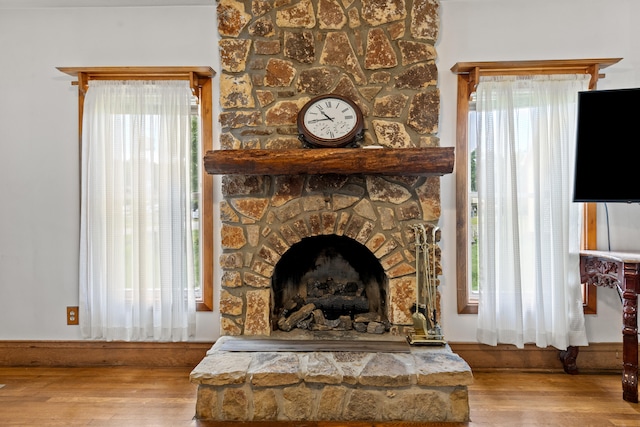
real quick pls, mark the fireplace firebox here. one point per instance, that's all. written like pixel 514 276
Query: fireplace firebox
pixel 329 282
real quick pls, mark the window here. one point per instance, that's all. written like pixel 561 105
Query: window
pixel 466 238
pixel 199 80
pixel 472 199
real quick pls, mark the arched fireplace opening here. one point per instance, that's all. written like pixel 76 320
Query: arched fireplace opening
pixel 329 282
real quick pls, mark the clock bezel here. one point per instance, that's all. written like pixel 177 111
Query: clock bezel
pixel 353 137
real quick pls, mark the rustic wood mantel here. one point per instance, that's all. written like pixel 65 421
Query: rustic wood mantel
pixel 374 161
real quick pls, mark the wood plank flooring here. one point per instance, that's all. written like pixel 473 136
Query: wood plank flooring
pixel 131 396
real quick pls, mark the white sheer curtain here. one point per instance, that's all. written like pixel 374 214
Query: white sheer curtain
pixel 529 229
pixel 136 262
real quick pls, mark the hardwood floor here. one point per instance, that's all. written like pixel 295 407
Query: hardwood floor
pixel 129 396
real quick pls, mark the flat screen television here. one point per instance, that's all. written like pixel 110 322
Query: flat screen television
pixel 607 162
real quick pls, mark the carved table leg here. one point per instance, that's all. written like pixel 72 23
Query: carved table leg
pixel 630 332
pixel 568 358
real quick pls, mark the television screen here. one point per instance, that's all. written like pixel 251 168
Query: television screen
pixel 607 167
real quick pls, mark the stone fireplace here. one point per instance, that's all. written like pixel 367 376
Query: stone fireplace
pixel 318 244
pixel 341 242
pixel 275 56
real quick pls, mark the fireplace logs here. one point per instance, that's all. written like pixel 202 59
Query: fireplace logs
pixel 337 296
pixel 308 317
pixel 329 283
pixel 298 316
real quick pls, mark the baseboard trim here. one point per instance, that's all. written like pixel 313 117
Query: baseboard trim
pixel 594 358
pixel 597 357
pixel 102 353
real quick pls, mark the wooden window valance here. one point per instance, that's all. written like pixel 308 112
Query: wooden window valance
pixel 473 70
pixel 192 74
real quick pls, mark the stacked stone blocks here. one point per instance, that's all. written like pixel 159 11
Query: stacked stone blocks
pixel 275 56
pixel 429 384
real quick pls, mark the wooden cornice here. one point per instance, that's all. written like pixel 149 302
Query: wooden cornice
pixel 473 70
pixel 345 161
pixel 192 74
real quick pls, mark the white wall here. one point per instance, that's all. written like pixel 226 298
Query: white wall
pixel 39 143
pixel 495 30
pixel 39 209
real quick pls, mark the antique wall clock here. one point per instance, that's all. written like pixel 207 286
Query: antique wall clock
pixel 330 121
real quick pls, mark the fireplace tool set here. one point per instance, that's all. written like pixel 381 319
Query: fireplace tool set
pixel 427 331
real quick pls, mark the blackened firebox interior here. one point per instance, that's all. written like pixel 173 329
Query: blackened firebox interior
pixel 337 274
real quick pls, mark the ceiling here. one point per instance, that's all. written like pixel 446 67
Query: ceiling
pixel 19 4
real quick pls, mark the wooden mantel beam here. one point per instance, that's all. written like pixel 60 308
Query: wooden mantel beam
pixel 382 161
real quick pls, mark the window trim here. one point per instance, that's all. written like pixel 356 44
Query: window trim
pixel 468 76
pixel 200 80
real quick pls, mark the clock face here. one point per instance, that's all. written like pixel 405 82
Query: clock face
pixel 330 120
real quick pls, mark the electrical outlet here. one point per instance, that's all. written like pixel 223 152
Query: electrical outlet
pixel 72 316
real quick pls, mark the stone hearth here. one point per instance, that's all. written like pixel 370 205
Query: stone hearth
pixel 427 384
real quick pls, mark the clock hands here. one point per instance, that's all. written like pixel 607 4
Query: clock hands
pixel 320 120
pixel 327 117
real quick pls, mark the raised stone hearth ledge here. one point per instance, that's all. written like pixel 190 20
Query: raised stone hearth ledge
pixel 382 161
pixel 427 384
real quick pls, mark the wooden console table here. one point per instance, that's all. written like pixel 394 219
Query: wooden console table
pixel 620 271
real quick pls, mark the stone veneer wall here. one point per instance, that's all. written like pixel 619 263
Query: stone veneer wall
pixel 275 56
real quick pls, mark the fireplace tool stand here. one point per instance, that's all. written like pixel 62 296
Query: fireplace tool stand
pixel 427 331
